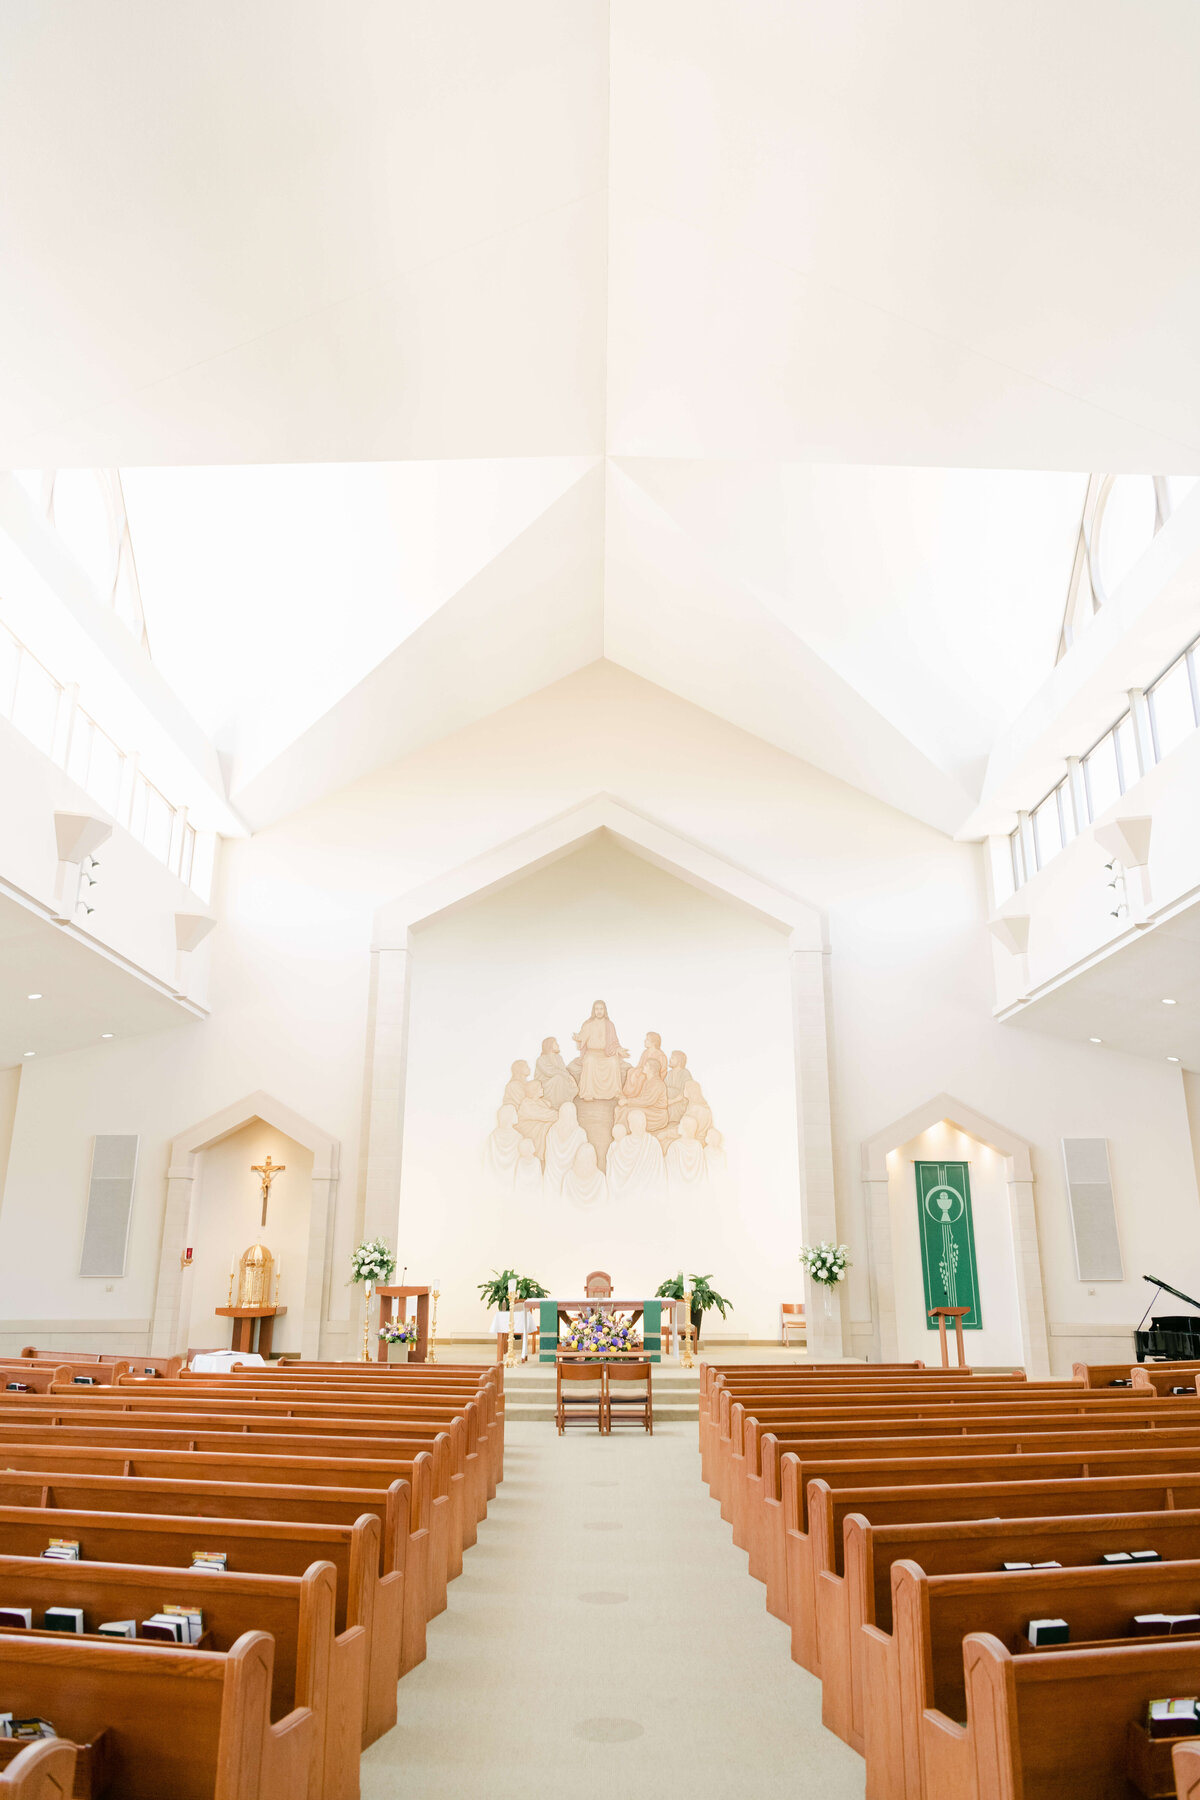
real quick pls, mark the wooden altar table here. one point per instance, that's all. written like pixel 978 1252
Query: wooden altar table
pixel 552 1311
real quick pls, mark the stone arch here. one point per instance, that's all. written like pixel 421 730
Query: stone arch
pixel 1016 1151
pixel 186 1149
pixel 543 844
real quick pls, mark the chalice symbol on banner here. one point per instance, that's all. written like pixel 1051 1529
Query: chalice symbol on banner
pixel 945 1207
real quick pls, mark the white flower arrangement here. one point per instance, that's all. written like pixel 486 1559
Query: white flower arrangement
pixel 825 1263
pixel 372 1261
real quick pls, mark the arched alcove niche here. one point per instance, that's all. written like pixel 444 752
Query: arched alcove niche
pixel 602 816
pixel 213 1205
pixel 1010 1268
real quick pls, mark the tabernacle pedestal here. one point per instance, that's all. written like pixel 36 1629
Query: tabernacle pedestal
pixel 388 1297
pixel 243 1326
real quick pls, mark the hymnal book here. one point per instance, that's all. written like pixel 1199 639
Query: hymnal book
pixel 165 1628
pixel 209 1559
pixel 1172 1718
pixel 192 1617
pixel 62 1550
pixel 122 1628
pixel 14 1617
pixel 1117 1556
pixel 1047 1631
pixel 16 1387
pixel 1021 1567
pixel 83 1380
pixel 1183 1390
pixel 63 1618
pixel 31 1728
pixel 1145 1556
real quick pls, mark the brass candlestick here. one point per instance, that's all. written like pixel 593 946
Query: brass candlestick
pixel 366 1349
pixel 431 1345
pixel 689 1331
pixel 511 1357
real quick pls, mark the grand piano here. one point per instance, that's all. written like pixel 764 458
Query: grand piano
pixel 1171 1337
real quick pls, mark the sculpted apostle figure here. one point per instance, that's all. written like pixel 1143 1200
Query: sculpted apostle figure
pixel 514 1091
pixel 527 1177
pixel 599 1056
pixel 564 1140
pixel 646 1089
pixel 584 1181
pixel 678 1076
pixel 698 1109
pixel 635 1162
pixel 503 1147
pixel 534 1117
pixel 558 1085
pixel 685 1158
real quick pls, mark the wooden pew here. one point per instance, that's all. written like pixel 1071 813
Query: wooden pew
pixel 1050 1725
pixel 846 1596
pixel 915 1674
pixel 141 1366
pixel 38 1378
pixel 1186 1758
pixel 862 1595
pixel 373 1461
pixel 365 1598
pixel 919 1470
pixel 188 1724
pixel 101 1374
pixel 44 1770
pixel 935 1453
pixel 314 1665
pixel 399 1550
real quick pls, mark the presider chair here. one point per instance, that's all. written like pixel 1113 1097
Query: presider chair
pixel 586 1402
pixel 627 1395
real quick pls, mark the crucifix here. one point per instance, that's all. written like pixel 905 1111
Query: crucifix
pixel 268 1171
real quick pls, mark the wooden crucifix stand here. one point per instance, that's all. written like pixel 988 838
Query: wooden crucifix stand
pixel 388 1297
pixel 958 1314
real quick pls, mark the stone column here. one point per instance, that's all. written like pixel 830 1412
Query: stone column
pixel 877 1207
pixel 1031 1299
pixel 818 1209
pixel 386 1071
pixel 168 1332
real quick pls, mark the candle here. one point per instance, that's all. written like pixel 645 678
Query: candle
pixel 436 1284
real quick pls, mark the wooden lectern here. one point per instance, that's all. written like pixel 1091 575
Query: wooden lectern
pixel 243 1325
pixel 388 1297
pixel 958 1314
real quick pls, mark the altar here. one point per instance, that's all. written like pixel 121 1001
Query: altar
pixel 551 1312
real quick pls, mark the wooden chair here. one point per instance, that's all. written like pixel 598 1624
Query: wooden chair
pixel 582 1407
pixel 598 1286
pixel 791 1319
pixel 628 1408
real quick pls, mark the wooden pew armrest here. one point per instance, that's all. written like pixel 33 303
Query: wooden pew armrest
pixel 287 1749
pixel 43 1771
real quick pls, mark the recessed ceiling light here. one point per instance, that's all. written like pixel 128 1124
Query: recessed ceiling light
pixel 31 1053
pixel 33 996
pixel 1172 1059
pixel 1170 1003
pixel 105 1034
pixel 1095 1040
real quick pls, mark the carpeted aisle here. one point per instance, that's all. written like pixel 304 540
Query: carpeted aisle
pixel 604 1627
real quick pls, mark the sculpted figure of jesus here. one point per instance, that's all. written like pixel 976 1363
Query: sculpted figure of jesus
pixel 599 1055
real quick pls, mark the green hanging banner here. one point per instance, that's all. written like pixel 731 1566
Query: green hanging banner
pixel 948 1240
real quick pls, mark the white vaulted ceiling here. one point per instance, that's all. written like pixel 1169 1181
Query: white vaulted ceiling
pixel 446 347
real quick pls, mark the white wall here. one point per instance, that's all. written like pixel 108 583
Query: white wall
pixel 493 979
pixel 910 982
pixel 999 1341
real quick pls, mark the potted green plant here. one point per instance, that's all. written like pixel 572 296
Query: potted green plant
pixel 704 1297
pixel 494 1291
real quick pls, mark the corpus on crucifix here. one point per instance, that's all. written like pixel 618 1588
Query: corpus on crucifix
pixel 267 1171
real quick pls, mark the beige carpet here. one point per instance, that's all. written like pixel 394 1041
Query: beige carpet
pixel 604 1629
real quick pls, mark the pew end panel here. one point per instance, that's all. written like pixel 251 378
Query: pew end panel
pixel 42 1771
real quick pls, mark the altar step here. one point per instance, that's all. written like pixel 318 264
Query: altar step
pixel 529 1395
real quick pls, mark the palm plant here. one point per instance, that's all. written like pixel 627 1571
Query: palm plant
pixel 704 1296
pixel 494 1291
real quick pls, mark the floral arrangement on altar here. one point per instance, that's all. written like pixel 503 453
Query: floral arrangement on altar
pixel 825 1263
pixel 399 1331
pixel 600 1333
pixel 372 1262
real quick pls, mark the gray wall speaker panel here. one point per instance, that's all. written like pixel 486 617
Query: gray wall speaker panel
pixel 1093 1210
pixel 109 1207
